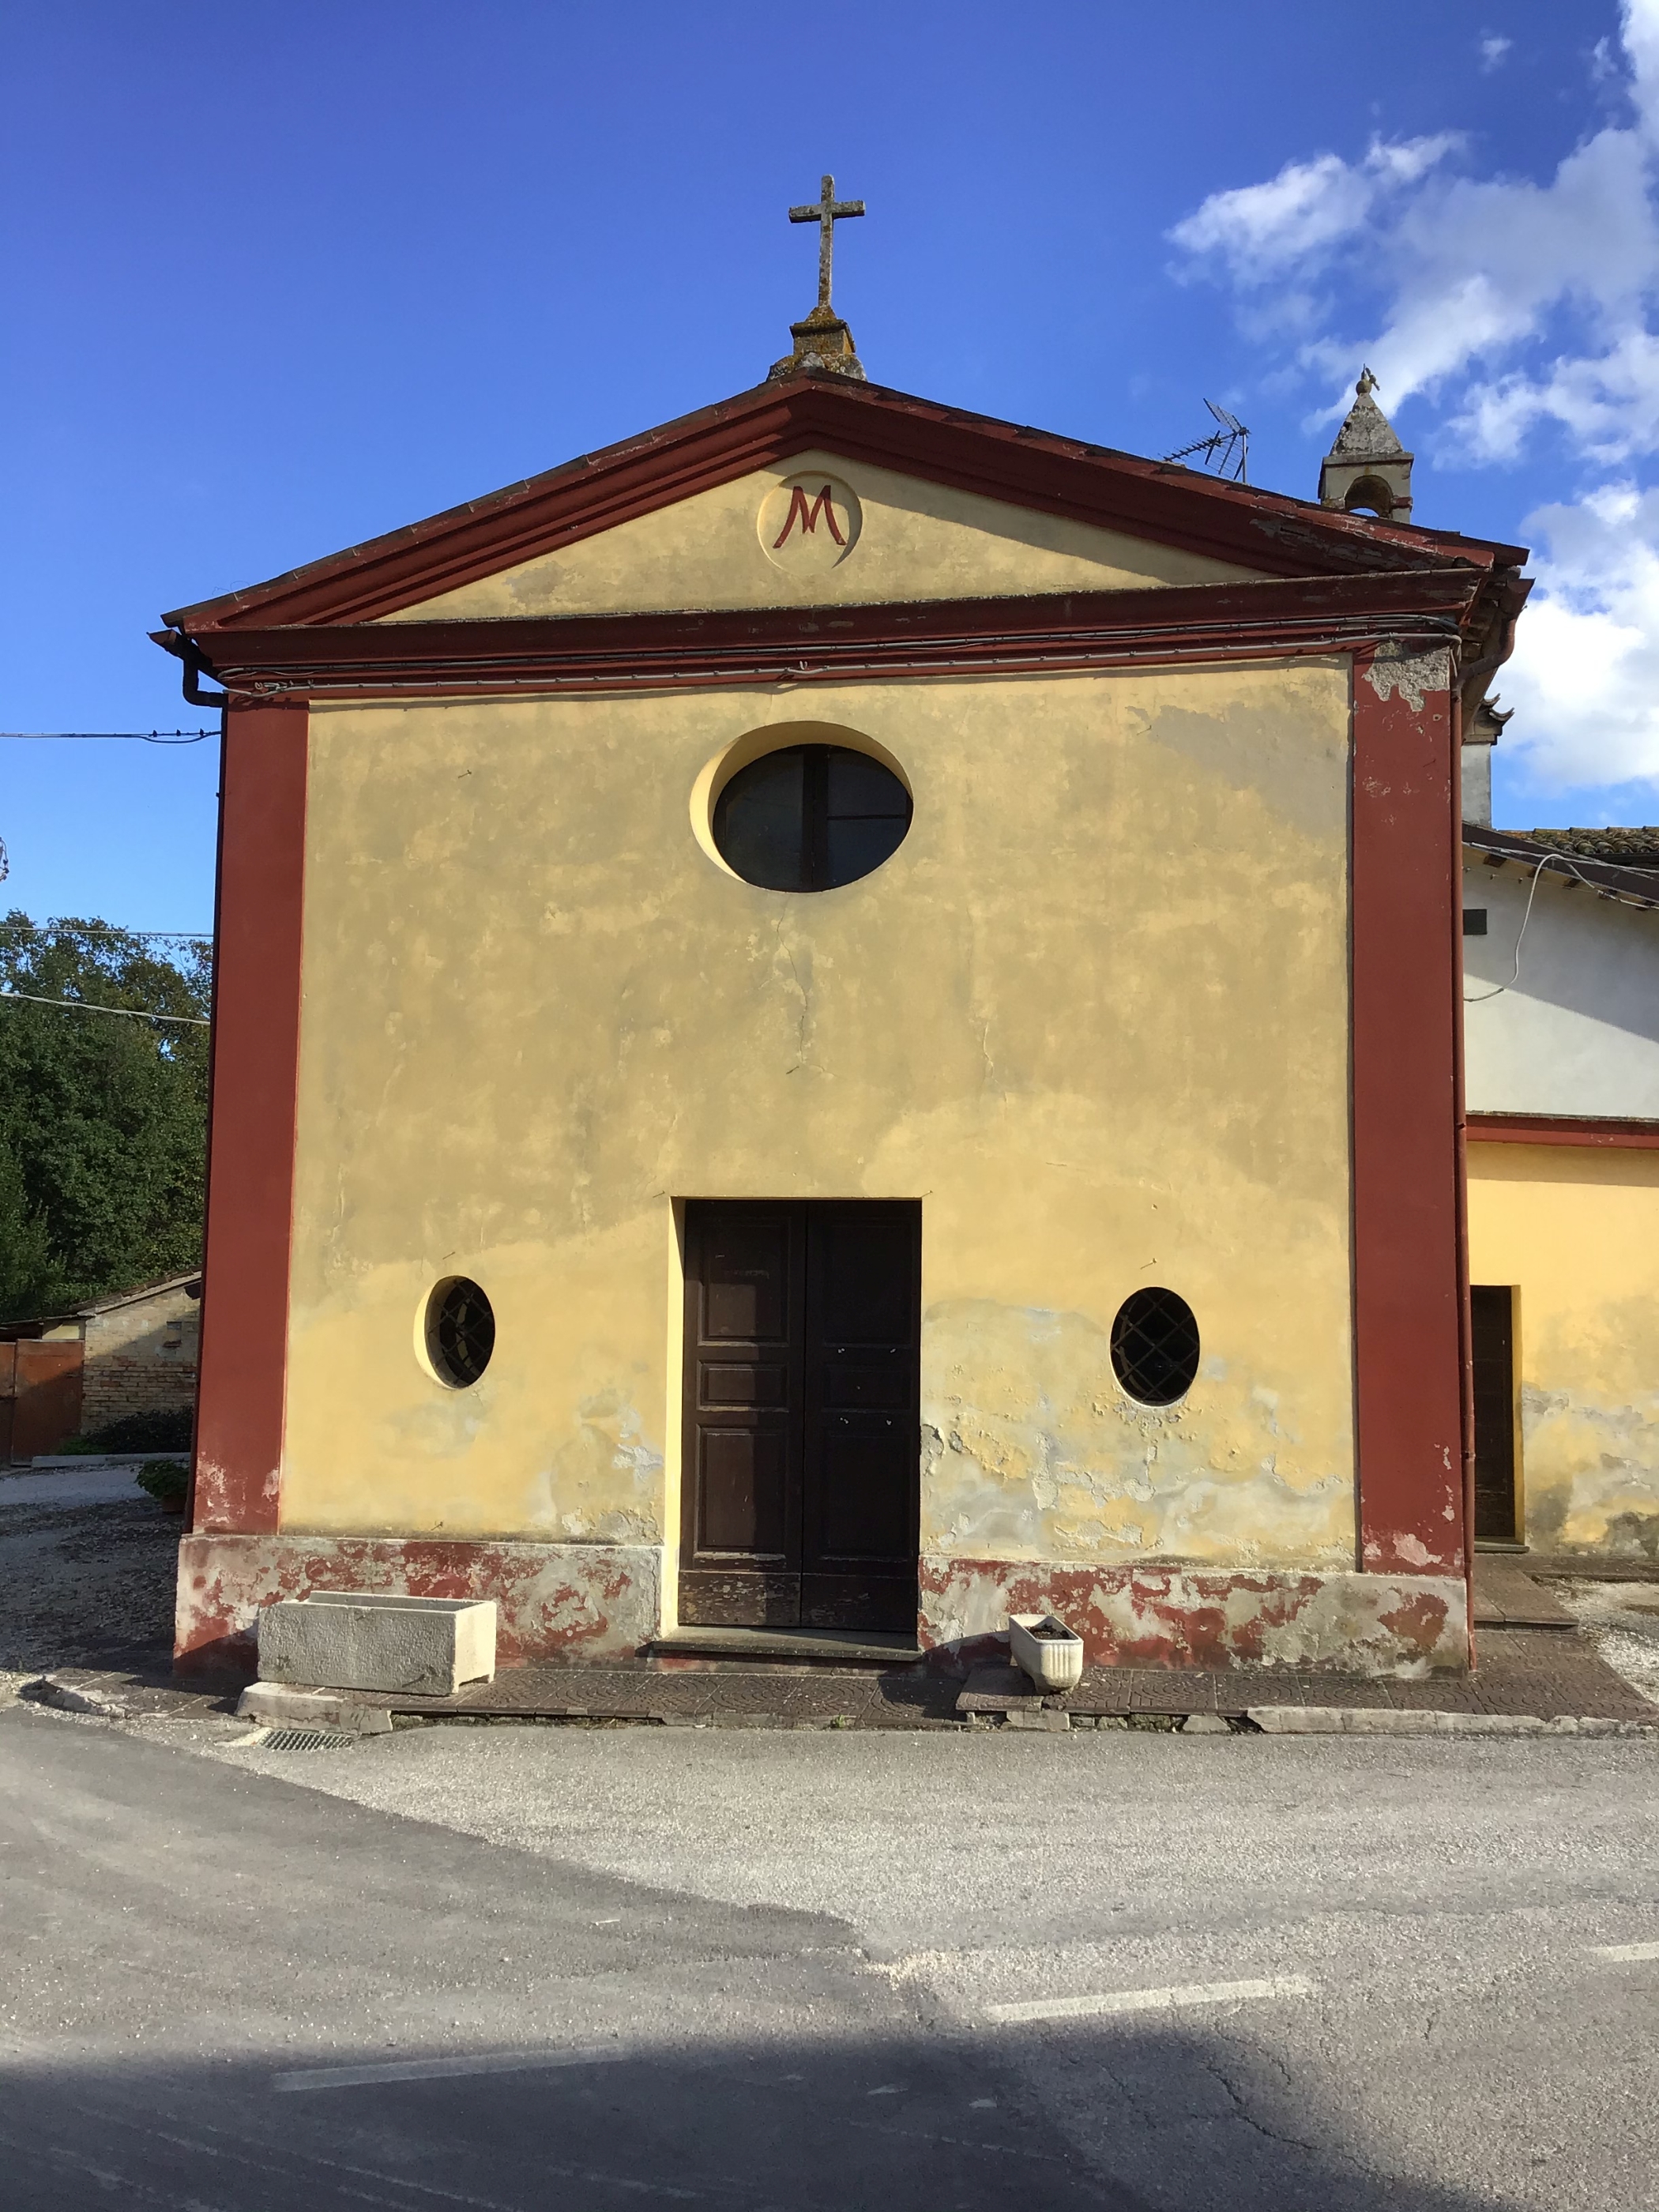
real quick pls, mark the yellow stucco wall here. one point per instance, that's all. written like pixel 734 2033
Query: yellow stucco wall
pixel 1092 1012
pixel 1575 1231
pixel 917 541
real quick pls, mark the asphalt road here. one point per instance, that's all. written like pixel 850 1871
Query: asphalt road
pixel 805 1971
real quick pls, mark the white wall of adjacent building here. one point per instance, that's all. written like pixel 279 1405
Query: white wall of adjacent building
pixel 1577 1031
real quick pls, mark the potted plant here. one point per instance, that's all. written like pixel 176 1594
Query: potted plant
pixel 1050 1653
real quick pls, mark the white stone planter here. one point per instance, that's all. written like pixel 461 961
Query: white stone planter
pixel 363 1640
pixel 1054 1662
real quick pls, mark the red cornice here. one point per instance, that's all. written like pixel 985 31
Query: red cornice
pixel 772 644
pixel 1563 1129
pixel 1154 500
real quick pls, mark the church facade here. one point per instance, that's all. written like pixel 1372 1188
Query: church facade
pixel 844 1018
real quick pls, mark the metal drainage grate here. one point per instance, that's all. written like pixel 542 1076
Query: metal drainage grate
pixel 306 1740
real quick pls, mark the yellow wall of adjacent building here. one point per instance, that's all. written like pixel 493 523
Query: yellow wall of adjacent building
pixel 1575 1230
pixel 1093 1013
pixel 915 540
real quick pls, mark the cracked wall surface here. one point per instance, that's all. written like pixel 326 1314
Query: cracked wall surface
pixel 1575 1231
pixel 1093 1013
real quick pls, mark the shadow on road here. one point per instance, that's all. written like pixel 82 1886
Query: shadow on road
pixel 907 2124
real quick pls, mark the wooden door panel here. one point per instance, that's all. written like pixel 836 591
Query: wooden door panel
pixel 743 1383
pixel 867 1474
pixel 743 1478
pixel 747 1286
pixel 864 1264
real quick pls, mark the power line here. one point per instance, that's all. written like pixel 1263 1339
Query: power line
pixel 139 737
pixel 108 929
pixel 85 1006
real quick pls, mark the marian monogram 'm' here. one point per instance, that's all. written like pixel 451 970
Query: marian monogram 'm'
pixel 808 516
pixel 809 523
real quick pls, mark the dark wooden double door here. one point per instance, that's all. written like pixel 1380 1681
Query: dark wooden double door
pixel 801 1487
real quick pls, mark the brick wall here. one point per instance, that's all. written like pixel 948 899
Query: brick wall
pixel 140 1358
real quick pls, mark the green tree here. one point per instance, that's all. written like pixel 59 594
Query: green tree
pixel 103 1121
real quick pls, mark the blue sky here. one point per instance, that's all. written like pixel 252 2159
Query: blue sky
pixel 285 276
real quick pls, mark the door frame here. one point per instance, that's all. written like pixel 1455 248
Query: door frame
pixel 680 1473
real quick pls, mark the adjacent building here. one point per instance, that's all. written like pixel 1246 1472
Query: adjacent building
pixel 1561 1022
pixel 69 1375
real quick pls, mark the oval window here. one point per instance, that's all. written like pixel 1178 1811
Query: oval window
pixel 1155 1346
pixel 460 1332
pixel 810 818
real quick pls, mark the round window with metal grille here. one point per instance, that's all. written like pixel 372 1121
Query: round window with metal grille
pixel 1155 1346
pixel 460 1331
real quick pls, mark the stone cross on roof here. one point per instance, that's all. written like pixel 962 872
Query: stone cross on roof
pixel 826 211
pixel 822 341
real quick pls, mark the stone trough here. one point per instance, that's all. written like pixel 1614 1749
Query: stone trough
pixel 363 1640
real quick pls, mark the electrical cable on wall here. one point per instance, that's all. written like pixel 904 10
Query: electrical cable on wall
pixel 1480 997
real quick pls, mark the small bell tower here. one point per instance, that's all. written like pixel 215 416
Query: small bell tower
pixel 1367 470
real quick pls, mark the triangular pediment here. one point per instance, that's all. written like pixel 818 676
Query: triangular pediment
pixel 817 529
pixel 927 503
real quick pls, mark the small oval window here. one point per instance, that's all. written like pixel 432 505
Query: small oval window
pixel 811 818
pixel 1155 1346
pixel 460 1331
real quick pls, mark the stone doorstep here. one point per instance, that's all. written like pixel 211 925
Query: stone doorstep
pixel 1506 1596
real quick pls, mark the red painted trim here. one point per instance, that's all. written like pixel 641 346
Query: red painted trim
pixel 769 645
pixel 1562 1129
pixel 1465 1314
pixel 256 1049
pixel 1170 505
pixel 1407 1274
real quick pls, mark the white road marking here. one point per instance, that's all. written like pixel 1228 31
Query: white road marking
pixel 1625 1951
pixel 438 2070
pixel 1164 2000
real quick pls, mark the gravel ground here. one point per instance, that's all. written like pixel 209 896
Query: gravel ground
pixel 1622 1621
pixel 87 1562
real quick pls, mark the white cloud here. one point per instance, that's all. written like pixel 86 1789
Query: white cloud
pixel 1508 306
pixel 1586 664
pixel 1473 269
pixel 1258 232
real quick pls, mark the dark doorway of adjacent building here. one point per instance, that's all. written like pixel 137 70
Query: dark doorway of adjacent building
pixel 1492 1316
pixel 802 1490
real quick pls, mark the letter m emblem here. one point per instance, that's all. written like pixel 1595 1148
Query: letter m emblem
pixel 807 516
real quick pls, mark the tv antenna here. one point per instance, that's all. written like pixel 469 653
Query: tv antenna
pixel 1226 450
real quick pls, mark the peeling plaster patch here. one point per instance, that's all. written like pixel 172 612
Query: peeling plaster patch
pixel 577 1493
pixel 1030 1448
pixel 1383 1625
pixel 553 1601
pixel 1412 674
pixel 1591 1473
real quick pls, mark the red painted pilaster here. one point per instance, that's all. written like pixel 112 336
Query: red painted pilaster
pixel 256 1049
pixel 1408 1261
